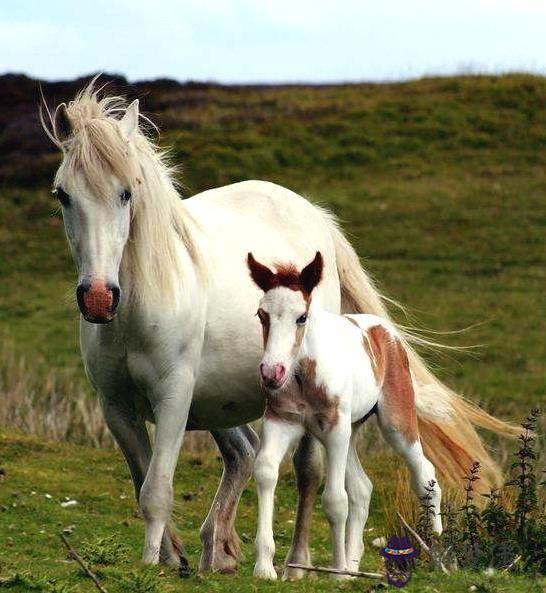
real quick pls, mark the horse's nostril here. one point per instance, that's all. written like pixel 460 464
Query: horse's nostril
pixel 116 292
pixel 80 293
pixel 280 372
pixel 262 371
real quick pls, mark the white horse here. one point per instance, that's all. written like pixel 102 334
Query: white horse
pixel 325 374
pixel 167 333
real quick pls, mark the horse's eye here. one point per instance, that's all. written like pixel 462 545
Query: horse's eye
pixel 62 196
pixel 301 320
pixel 261 316
pixel 125 195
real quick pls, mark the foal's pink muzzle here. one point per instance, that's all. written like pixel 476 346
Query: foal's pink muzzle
pixel 273 376
pixel 98 300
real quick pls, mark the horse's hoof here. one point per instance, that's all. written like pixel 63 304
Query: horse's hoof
pixel 293 574
pixel 184 568
pixel 342 577
pixel 265 571
pixel 224 564
pixel 221 558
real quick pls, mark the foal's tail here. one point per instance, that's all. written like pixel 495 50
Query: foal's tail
pixel 447 422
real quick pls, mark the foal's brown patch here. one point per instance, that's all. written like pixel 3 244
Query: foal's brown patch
pixel 392 372
pixel 305 399
pixel 288 276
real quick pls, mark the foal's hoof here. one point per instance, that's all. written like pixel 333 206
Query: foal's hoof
pixel 265 571
pixel 342 577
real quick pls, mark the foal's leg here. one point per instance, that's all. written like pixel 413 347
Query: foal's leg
pixel 421 469
pixel 359 490
pixel 334 498
pixel 220 542
pixel 129 431
pixel 276 438
pixel 309 469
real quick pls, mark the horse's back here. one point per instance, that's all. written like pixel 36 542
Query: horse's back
pixel 275 224
pixel 251 189
pixel 263 209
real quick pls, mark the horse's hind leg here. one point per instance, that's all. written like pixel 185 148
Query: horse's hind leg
pixel 220 541
pixel 359 491
pixel 397 415
pixel 421 470
pixel 129 431
pixel 309 472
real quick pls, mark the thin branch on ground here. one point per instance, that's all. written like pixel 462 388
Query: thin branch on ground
pixel 368 575
pixel 80 561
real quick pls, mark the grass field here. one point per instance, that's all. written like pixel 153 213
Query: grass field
pixel 441 184
pixel 40 476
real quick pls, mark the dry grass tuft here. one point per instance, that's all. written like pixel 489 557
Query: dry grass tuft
pixel 58 405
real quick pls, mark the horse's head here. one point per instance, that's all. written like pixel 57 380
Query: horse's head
pixel 283 314
pixel 94 185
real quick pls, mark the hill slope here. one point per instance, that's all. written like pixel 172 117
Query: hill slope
pixel 441 183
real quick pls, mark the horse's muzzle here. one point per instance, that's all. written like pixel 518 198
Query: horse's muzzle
pixel 98 300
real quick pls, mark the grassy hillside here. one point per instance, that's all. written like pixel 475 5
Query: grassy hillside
pixel 441 184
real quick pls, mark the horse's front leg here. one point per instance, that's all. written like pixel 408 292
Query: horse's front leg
pixel 276 438
pixel 171 401
pixel 129 431
pixel 359 490
pixel 221 548
pixel 334 497
pixel 309 472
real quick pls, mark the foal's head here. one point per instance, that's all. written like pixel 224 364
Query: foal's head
pixel 94 185
pixel 283 314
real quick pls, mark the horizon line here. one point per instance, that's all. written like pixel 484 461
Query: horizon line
pixel 470 72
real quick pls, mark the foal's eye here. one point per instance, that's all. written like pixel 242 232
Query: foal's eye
pixel 62 196
pixel 301 320
pixel 125 195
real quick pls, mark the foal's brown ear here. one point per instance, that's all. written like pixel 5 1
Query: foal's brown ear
pixel 312 273
pixel 261 274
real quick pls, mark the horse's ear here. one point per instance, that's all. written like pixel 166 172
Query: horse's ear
pixel 129 121
pixel 262 275
pixel 312 273
pixel 62 123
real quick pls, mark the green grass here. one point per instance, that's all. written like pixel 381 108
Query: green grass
pixel 41 475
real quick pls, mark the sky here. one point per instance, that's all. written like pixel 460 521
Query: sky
pixel 271 40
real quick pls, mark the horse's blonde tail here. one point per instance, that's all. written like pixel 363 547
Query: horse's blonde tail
pixel 446 421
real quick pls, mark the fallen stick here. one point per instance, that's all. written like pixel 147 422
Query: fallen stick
pixel 515 561
pixel 79 560
pixel 368 575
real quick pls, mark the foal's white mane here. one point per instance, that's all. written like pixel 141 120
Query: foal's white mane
pixel 152 262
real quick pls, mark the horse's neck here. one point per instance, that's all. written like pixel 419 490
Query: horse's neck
pixel 161 258
pixel 310 346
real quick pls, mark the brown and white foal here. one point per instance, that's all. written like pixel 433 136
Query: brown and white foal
pixel 325 374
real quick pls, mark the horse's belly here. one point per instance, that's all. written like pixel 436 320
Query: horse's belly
pixel 227 392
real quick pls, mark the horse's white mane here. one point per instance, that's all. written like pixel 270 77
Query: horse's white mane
pixel 97 149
